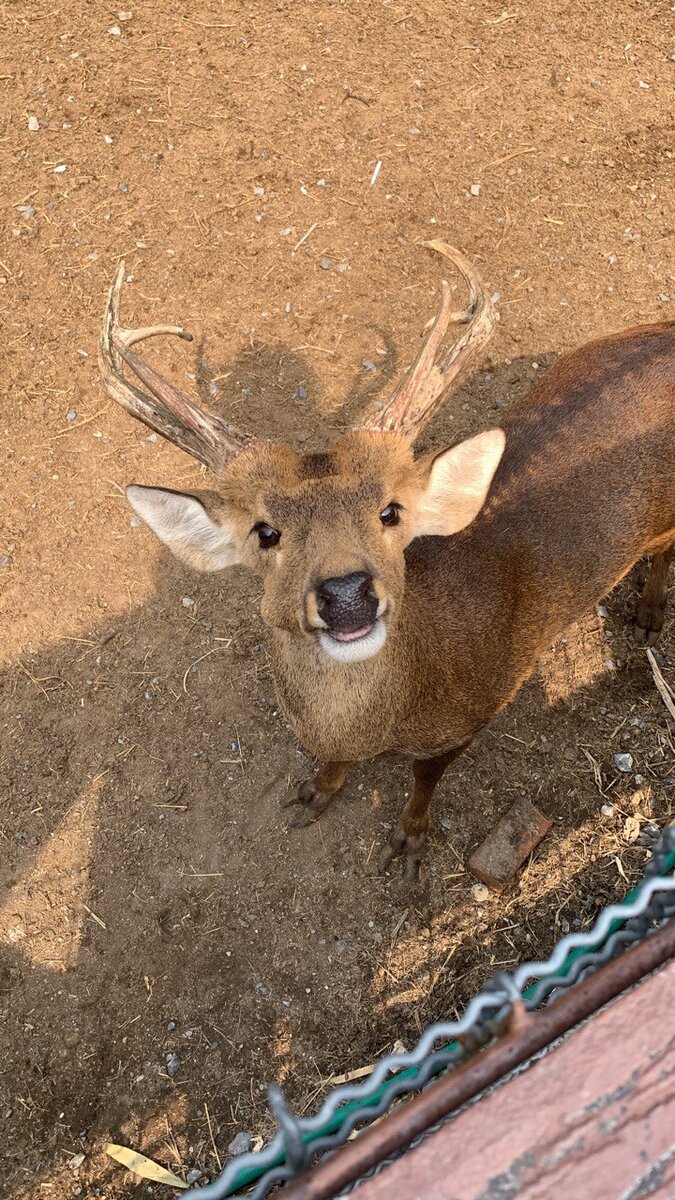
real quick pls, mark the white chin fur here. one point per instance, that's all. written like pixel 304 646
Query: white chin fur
pixel 350 652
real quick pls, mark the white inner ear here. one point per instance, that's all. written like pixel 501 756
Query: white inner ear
pixel 184 525
pixel 458 484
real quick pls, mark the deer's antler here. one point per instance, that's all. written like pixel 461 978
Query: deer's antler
pixel 438 370
pixel 166 410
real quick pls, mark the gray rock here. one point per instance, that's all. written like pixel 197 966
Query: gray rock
pixel 194 1174
pixel 624 762
pixel 325 264
pixel 173 1063
pixel 240 1144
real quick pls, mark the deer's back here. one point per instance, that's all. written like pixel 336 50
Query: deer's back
pixel 586 486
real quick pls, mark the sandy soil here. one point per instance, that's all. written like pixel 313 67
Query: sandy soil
pixel 147 878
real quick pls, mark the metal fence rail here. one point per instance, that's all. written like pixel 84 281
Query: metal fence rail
pixel 300 1138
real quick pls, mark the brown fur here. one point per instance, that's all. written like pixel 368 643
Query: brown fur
pixel 585 487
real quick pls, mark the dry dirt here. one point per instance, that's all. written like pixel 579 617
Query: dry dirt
pixel 146 874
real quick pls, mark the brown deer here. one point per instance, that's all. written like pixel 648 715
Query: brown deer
pixel 410 598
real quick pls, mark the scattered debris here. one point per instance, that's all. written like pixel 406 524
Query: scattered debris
pixel 665 692
pixel 378 168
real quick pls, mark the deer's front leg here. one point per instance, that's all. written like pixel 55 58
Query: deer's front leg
pixel 316 794
pixel 410 834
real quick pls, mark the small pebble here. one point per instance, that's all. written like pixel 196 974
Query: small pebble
pixel 123 187
pixel 601 610
pixel 607 810
pixel 367 365
pixel 301 393
pixel 258 191
pixel 325 264
pixel 135 522
pixel 171 1025
pixel 60 169
pixel 71 415
pixel 240 1144
pixel 193 1175
pixel 107 139
pixel 114 31
pixel 27 211
pixel 342 267
pixel 187 601
pixel 475 189
pixel 33 124
pixel 446 824
pixel 76 1161
pixel 639 779
pixel 624 762
pixel 172 1064
pixel 480 892
pixel 6 560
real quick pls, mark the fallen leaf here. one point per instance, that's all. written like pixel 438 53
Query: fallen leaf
pixel 631 828
pixel 145 1167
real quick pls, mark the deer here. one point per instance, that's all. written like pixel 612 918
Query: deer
pixel 410 598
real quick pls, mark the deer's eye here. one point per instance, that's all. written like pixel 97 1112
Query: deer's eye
pixel 391 515
pixel 267 536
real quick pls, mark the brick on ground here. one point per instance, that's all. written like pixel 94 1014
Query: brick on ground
pixel 506 847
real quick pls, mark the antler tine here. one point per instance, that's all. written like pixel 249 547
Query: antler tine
pixel 437 370
pixel 167 410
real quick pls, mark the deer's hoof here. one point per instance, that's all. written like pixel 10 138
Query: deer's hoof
pixel 648 624
pixel 408 846
pixel 301 818
pixel 312 802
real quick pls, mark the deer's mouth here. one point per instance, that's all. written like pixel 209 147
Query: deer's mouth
pixel 354 645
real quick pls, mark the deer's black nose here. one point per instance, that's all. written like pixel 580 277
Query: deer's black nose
pixel 347 604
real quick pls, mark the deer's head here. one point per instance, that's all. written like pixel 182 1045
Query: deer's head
pixel 326 531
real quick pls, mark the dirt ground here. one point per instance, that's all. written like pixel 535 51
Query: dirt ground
pixel 152 900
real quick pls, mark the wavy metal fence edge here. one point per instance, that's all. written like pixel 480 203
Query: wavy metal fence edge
pixel 299 1139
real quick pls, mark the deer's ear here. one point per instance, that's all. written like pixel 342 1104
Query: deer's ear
pixel 184 525
pixel 458 483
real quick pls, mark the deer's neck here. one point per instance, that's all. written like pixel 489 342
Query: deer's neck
pixel 338 711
